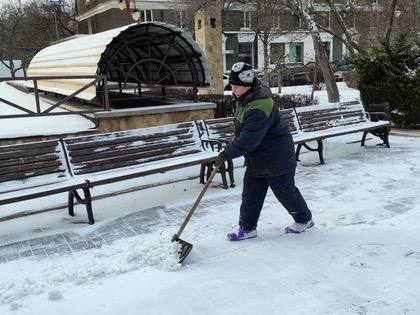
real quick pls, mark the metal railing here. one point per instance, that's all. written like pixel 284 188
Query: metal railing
pixel 38 112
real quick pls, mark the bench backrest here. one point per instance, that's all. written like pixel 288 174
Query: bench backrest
pixel 289 116
pixel 31 164
pixel 220 128
pixel 321 117
pixel 224 128
pixel 130 148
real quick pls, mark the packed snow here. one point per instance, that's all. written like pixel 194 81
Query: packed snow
pixel 363 256
pixel 35 126
pixel 320 97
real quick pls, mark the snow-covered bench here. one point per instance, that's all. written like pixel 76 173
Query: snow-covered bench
pixel 117 156
pixel 313 123
pixel 217 132
pixel 38 169
pixel 320 122
pixel 221 131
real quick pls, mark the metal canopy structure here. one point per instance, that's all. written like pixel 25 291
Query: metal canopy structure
pixel 144 55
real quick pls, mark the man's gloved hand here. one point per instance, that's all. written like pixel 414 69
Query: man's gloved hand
pixel 220 160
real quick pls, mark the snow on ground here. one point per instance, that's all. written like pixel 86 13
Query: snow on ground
pixel 363 257
pixel 321 97
pixel 35 126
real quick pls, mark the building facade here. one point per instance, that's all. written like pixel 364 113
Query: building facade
pixel 290 42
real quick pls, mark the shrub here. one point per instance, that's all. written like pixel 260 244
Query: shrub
pixel 391 73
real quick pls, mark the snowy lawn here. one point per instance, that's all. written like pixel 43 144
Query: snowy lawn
pixel 346 93
pixel 363 257
pixel 35 126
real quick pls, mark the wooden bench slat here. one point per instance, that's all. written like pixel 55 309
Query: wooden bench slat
pixel 132 163
pixel 128 145
pixel 34 173
pixel 26 153
pixel 219 120
pixel 127 133
pixel 28 167
pixel 127 157
pixel 27 160
pixel 28 146
pixel 95 142
pixel 123 153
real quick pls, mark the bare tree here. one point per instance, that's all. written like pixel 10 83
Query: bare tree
pixel 28 26
pixel 10 17
pixel 266 25
pixel 349 32
pixel 188 8
pixel 304 8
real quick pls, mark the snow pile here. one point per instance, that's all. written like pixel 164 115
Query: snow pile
pixel 53 276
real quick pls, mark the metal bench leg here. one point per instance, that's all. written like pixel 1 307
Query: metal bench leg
pixel 87 201
pixel 321 151
pixel 222 171
pixel 88 204
pixel 299 147
pixel 209 169
pixel 386 137
pixel 362 143
pixel 202 172
pixel 71 203
pixel 230 172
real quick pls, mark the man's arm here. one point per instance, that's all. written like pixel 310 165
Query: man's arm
pixel 254 130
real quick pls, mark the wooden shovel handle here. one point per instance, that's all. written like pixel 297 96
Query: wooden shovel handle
pixel 197 202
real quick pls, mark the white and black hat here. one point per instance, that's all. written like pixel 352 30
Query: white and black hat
pixel 241 74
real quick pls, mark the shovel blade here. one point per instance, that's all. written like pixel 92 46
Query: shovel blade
pixel 185 248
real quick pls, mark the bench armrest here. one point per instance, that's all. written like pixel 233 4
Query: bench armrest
pixel 215 145
pixel 376 116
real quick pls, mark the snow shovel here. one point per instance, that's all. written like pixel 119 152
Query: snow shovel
pixel 185 246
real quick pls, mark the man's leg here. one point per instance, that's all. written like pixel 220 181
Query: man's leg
pixel 253 195
pixel 290 197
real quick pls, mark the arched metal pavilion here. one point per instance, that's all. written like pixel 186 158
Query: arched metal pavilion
pixel 144 56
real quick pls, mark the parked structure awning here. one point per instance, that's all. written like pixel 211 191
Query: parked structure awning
pixel 147 54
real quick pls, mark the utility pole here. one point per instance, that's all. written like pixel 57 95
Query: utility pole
pixel 56 3
pixel 127 5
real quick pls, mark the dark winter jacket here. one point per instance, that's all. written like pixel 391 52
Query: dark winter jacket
pixel 262 135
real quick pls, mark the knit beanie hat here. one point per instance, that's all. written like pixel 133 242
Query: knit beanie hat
pixel 241 74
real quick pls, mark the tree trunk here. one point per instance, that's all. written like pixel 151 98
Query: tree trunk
pixel 324 64
pixel 279 78
pixel 390 22
pixel 266 74
pixel 315 80
pixel 11 68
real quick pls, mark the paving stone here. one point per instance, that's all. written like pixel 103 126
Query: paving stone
pixel 138 223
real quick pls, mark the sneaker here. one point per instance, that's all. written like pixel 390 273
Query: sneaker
pixel 299 227
pixel 242 234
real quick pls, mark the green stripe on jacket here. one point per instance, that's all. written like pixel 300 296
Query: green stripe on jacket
pixel 263 104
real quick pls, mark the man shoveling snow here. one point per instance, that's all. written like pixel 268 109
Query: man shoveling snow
pixel 264 139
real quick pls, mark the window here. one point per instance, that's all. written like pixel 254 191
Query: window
pixel 247 19
pixel 245 52
pixel 212 23
pixel 146 15
pixel 296 52
pixel 179 19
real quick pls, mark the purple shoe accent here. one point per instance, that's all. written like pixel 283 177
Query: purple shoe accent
pixel 242 234
pixel 297 228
